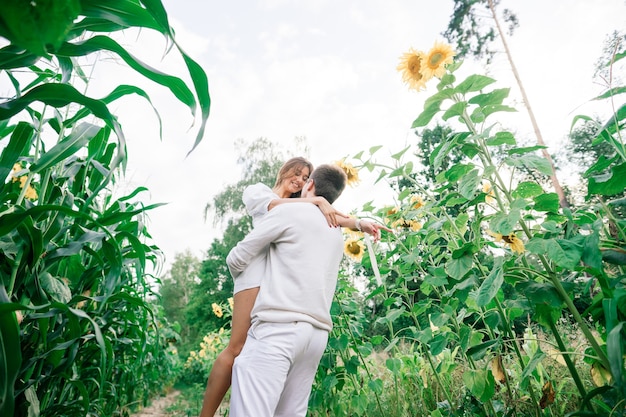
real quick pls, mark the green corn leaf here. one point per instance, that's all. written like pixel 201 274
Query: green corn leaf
pixel 12 56
pixel 10 355
pixel 20 141
pixel 98 43
pixel 119 13
pixel 76 140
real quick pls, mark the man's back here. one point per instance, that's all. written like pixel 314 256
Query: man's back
pixel 302 268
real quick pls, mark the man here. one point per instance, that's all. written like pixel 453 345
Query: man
pixel 291 318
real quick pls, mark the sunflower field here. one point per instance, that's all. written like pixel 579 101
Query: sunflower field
pixel 491 298
pixel 80 332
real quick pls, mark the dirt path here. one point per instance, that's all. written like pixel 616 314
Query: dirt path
pixel 159 406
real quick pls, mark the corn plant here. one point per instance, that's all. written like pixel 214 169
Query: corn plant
pixel 78 333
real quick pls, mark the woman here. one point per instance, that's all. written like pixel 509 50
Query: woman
pixel 259 199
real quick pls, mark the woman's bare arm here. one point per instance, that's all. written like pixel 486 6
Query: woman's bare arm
pixel 333 216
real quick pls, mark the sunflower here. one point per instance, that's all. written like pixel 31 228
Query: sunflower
pixel 354 248
pixel 417 202
pixel 513 241
pixel 353 233
pixel 435 61
pixel 231 302
pixel 217 310
pixel 30 192
pixel 487 189
pixel 351 172
pixel 411 68
pixel 414 225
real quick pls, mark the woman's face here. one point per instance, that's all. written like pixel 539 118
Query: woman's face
pixel 294 182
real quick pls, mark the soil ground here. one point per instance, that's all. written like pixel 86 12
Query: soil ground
pixel 159 406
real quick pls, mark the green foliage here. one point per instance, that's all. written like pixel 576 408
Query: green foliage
pixel 80 333
pixel 486 307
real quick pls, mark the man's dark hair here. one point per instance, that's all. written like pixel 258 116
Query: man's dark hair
pixel 329 180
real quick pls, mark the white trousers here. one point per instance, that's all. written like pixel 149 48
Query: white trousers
pixel 273 374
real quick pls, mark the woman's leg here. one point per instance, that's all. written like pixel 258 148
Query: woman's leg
pixel 220 376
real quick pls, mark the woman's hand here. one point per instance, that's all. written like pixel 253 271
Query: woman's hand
pixel 332 214
pixel 372 228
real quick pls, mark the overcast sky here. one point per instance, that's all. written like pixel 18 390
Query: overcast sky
pixel 326 70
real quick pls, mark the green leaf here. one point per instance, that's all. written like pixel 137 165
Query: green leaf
pixel 522 151
pixel 548 202
pixel 18 146
pixel 394 365
pixel 489 110
pixel 615 256
pixel 611 92
pixel 38 27
pixel 459 267
pixel 473 83
pixel 55 288
pixel 119 14
pixel 469 184
pixel 10 355
pixel 609 184
pixel 614 343
pixel 437 344
pixel 563 252
pixel 77 139
pixel 12 56
pixel 396 156
pixel 494 97
pixel 99 43
pixel 531 162
pixel 540 293
pixel 527 189
pixel 491 285
pixel 480 383
pixel 477 352
pixel 505 223
pixel 426 116
pixel 456 109
pixel 501 138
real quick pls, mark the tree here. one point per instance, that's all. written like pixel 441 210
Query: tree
pixel 177 287
pixel 472 38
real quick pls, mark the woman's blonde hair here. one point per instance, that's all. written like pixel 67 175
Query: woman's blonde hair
pixel 291 167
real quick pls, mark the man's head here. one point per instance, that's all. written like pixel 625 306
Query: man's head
pixel 326 181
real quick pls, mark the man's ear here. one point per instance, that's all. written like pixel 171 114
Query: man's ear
pixel 310 186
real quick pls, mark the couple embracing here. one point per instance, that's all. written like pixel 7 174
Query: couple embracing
pixel 285 273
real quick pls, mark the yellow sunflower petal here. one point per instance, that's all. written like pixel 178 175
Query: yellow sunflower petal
pixel 354 248
pixel 516 244
pixel 351 172
pixel 417 202
pixel 435 61
pixel 411 68
pixel 497 236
